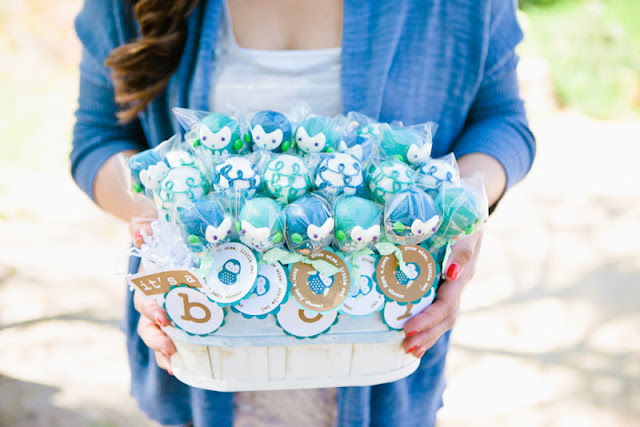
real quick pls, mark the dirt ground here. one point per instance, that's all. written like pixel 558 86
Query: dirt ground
pixel 549 331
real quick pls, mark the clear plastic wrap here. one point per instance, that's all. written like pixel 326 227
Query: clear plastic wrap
pixel 410 217
pixel 260 223
pixel 317 134
pixel 240 174
pixel 438 171
pixel 308 224
pixel 463 209
pixel 388 178
pixel 408 144
pixel 218 133
pixel 339 173
pixel 271 131
pixel 357 223
pixel 286 177
pixel 205 223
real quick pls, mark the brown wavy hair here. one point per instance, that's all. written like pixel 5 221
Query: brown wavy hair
pixel 141 69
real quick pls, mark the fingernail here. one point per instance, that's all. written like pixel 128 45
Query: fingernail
pixel 412 349
pixel 170 372
pixel 138 235
pixel 159 321
pixel 410 334
pixel 421 353
pixel 453 271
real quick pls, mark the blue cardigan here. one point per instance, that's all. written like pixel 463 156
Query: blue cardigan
pixel 451 62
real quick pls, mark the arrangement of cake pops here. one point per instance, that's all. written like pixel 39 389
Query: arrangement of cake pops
pixel 302 218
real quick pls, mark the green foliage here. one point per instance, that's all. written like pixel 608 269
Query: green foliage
pixel 593 48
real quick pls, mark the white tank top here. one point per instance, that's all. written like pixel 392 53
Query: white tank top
pixel 256 79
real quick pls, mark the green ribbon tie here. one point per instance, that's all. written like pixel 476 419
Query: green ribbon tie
pixel 286 257
pixel 354 260
pixel 390 248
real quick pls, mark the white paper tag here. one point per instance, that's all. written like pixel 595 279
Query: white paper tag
pixel 396 315
pixel 192 311
pixel 364 297
pixel 232 275
pixel 303 323
pixel 269 292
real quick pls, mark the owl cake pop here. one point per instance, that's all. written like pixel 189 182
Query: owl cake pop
pixel 461 210
pixel 404 144
pixel 317 134
pixel 410 217
pixel 438 171
pixel 205 224
pixel 388 178
pixel 308 224
pixel 219 133
pixel 339 173
pixel 286 177
pixel 357 223
pixel 270 131
pixel 174 186
pixel 259 223
pixel 139 162
pixel 237 173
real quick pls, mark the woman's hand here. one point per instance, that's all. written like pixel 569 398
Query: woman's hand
pixel 152 316
pixel 424 329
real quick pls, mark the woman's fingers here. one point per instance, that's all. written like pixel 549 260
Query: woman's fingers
pixel 155 338
pixel 150 309
pixel 136 228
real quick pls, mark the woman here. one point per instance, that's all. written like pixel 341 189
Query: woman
pixel 409 60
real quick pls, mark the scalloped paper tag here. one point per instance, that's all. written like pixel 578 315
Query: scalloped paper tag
pixel 395 315
pixel 409 287
pixel 304 323
pixel 364 297
pixel 269 292
pixel 192 311
pixel 232 275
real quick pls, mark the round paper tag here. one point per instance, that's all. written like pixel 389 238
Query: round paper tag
pixel 396 315
pixel 191 310
pixel 232 275
pixel 269 292
pixel 364 297
pixel 303 323
pixel 315 291
pixel 406 288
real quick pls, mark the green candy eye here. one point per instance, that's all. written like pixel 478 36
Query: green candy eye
pixel 237 144
pixel 196 143
pixel 137 188
pixel 469 230
pixel 194 240
pixel 296 238
pixel 398 227
pixel 247 138
pixel 286 145
pixel 238 227
pixel 329 150
pixel 340 235
pixel 399 157
pixel 277 237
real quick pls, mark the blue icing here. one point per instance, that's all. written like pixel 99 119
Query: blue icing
pixel 317 134
pixel 204 223
pixel 139 162
pixel 308 224
pixel 219 133
pixel 271 131
pixel 411 216
pixel 339 173
pixel 352 212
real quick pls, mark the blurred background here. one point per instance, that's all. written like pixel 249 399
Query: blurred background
pixel 549 332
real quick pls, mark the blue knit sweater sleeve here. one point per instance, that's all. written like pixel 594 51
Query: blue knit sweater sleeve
pixel 497 124
pixel 97 134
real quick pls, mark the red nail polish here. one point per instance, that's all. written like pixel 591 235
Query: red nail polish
pixel 421 353
pixel 453 271
pixel 410 334
pixel 138 235
pixel 412 349
pixel 159 321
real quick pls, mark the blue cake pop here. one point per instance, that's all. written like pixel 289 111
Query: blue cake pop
pixel 259 223
pixel 404 144
pixel 270 131
pixel 411 217
pixel 436 172
pixel 220 134
pixel 339 173
pixel 317 134
pixel 139 162
pixel 357 223
pixel 308 224
pixel 205 224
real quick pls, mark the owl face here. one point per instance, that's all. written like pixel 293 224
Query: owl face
pixel 425 228
pixel 267 140
pixel 363 236
pixel 218 234
pixel 413 271
pixel 417 155
pixel 232 266
pixel 320 233
pixel 215 140
pixel 262 286
pixel 366 284
pixel 319 283
pixel 310 143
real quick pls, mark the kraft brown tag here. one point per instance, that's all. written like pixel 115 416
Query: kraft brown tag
pixel 160 282
pixel 315 291
pixel 410 287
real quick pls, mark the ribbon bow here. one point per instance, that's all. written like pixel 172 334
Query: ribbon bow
pixel 285 257
pixel 390 248
pixel 354 260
